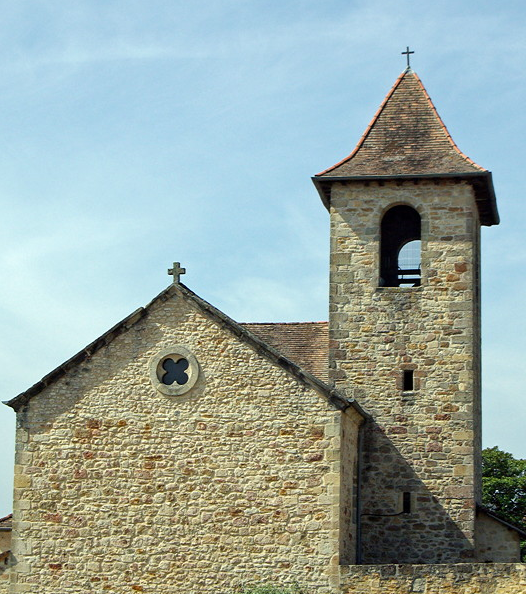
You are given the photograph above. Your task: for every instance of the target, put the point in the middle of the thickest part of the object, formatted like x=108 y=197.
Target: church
x=182 y=451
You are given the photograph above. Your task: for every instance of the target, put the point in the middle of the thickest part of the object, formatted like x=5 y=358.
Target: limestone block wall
x=348 y=486
x=5 y=558
x=4 y=574
x=425 y=442
x=121 y=488
x=5 y=540
x=495 y=542
x=463 y=578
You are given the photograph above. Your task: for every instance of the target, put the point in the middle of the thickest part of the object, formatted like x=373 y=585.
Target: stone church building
x=185 y=452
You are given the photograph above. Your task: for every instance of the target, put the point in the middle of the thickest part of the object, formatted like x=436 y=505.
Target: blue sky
x=138 y=133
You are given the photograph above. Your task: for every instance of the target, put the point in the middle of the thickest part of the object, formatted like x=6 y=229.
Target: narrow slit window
x=406 y=502
x=408 y=380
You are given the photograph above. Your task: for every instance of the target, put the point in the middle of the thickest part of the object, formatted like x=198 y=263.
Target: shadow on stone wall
x=426 y=532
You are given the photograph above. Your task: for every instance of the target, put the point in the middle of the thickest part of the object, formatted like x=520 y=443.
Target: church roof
x=305 y=343
x=497 y=518
x=6 y=522
x=284 y=338
x=407 y=139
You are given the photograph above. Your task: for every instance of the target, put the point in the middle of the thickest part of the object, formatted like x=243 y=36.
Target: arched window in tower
x=400 y=248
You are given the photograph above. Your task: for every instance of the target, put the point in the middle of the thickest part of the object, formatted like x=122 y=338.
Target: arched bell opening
x=400 y=247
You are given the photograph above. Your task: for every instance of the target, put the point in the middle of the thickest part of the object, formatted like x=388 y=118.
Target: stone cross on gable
x=176 y=271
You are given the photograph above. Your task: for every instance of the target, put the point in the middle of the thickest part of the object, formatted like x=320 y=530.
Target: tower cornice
x=407 y=139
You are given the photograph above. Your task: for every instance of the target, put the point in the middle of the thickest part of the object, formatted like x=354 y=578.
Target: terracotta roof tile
x=407 y=138
x=289 y=355
x=304 y=343
x=6 y=522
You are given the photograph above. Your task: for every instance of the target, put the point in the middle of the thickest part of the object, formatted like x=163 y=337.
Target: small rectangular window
x=408 y=380
x=406 y=502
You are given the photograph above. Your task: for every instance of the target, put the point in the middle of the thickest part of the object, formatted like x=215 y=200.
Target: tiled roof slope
x=407 y=138
x=6 y=522
x=305 y=343
x=243 y=332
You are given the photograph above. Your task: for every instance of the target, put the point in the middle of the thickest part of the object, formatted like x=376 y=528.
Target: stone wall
x=462 y=578
x=348 y=486
x=4 y=573
x=5 y=540
x=495 y=542
x=426 y=441
x=5 y=546
x=121 y=488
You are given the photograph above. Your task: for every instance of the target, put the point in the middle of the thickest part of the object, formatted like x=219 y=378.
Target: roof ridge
x=338 y=400
x=379 y=111
x=375 y=117
x=496 y=516
x=332 y=395
x=407 y=140
x=89 y=350
x=280 y=323
x=444 y=127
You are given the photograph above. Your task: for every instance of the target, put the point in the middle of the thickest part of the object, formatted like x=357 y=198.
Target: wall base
x=460 y=578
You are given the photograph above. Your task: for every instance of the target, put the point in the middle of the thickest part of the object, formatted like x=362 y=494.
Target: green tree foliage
x=504 y=487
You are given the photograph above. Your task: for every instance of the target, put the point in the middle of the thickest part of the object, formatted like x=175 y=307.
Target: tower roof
x=407 y=139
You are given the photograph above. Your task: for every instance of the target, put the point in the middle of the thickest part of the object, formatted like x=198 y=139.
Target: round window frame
x=175 y=352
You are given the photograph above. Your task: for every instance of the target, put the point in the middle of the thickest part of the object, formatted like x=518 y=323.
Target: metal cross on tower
x=406 y=53
x=176 y=271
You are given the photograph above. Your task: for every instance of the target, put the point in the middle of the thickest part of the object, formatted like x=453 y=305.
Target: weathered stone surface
x=494 y=541
x=127 y=489
x=425 y=441
x=465 y=578
x=250 y=475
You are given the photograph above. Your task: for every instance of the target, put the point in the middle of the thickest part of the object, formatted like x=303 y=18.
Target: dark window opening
x=406 y=502
x=400 y=248
x=408 y=380
x=175 y=371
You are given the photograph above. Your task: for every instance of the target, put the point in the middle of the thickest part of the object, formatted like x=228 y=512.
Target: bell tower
x=406 y=208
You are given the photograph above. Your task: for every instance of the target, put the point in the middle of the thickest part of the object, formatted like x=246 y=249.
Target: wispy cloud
x=138 y=133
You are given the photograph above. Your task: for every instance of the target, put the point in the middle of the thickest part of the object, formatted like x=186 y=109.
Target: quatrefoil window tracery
x=174 y=370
